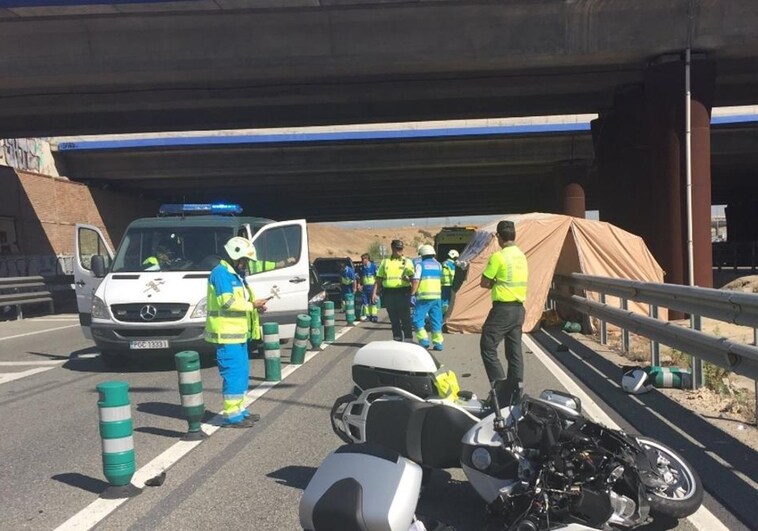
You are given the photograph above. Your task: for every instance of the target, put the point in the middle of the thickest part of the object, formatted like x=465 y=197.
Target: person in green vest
x=232 y=320
x=448 y=274
x=160 y=260
x=393 y=281
x=506 y=275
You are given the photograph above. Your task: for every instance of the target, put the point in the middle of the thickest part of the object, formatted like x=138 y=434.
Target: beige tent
x=553 y=244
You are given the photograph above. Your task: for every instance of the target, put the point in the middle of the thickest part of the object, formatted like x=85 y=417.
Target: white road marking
x=703 y=519
x=38 y=332
x=33 y=362
x=53 y=320
x=96 y=511
x=11 y=376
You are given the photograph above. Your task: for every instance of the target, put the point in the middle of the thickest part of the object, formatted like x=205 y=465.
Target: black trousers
x=504 y=322
x=398 y=304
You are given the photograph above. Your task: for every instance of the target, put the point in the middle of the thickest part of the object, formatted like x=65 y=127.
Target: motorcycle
x=537 y=462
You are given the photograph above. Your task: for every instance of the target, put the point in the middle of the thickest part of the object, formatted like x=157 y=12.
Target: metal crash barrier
x=21 y=291
x=731 y=307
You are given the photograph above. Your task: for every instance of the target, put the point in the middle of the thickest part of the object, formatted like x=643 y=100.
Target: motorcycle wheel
x=683 y=493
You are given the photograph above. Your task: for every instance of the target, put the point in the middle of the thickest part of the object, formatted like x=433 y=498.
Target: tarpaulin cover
x=553 y=244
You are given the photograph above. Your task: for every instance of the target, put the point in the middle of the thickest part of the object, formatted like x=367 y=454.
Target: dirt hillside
x=328 y=240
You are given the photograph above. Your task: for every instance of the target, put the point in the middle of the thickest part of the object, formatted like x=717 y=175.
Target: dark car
x=317 y=292
x=330 y=270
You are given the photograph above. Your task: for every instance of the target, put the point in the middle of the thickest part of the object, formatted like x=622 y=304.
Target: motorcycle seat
x=428 y=434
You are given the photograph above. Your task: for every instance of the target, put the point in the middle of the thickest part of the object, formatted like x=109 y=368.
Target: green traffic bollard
x=191 y=392
x=329 y=332
x=273 y=357
x=300 y=342
x=115 y=415
x=670 y=377
x=316 y=334
x=349 y=308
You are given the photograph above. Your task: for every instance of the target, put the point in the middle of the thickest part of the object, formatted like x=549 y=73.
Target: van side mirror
x=98 y=266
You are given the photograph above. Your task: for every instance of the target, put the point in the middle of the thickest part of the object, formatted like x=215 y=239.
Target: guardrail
x=732 y=307
x=21 y=291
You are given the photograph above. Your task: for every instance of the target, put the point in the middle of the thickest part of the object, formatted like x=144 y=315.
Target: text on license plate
x=154 y=343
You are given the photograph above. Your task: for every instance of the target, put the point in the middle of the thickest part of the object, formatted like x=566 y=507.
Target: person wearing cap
x=232 y=320
x=426 y=289
x=448 y=274
x=506 y=275
x=393 y=278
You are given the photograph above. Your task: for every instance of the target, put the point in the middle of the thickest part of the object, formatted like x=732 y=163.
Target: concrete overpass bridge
x=77 y=67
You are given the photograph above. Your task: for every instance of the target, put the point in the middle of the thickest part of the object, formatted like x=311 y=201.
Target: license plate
x=155 y=343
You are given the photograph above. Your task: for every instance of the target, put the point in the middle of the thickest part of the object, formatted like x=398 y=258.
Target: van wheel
x=114 y=359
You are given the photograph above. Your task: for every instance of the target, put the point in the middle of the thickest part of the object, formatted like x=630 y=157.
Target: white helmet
x=453 y=254
x=426 y=250
x=239 y=247
x=635 y=382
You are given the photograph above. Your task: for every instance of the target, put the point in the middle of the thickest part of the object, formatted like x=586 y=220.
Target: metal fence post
x=655 y=347
x=603 y=325
x=698 y=378
x=625 y=339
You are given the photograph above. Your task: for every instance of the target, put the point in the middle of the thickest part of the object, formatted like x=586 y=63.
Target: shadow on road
x=88 y=360
x=81 y=481
x=720 y=481
x=161 y=409
x=293 y=476
x=160 y=431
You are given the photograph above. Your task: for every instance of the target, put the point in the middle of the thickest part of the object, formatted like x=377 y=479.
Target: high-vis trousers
x=234 y=367
x=368 y=308
x=447 y=293
x=432 y=308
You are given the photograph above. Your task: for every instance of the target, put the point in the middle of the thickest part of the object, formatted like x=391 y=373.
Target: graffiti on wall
x=28 y=154
x=34 y=265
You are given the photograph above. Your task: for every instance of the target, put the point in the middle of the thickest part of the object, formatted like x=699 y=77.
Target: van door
x=89 y=242
x=282 y=272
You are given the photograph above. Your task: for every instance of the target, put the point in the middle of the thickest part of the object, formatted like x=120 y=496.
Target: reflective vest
x=448 y=272
x=259 y=266
x=430 y=284
x=346 y=278
x=395 y=272
x=151 y=261
x=511 y=276
x=231 y=317
x=368 y=274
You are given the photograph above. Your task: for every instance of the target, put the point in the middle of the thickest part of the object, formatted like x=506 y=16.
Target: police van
x=150 y=295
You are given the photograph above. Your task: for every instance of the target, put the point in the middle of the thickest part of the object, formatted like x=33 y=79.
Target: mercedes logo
x=148 y=312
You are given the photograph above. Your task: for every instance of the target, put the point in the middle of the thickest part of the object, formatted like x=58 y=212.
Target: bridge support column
x=573 y=200
x=664 y=98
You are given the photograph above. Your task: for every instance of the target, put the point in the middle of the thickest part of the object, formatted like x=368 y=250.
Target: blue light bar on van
x=199 y=209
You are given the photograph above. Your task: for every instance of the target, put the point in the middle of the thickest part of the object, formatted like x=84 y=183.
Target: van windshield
x=171 y=249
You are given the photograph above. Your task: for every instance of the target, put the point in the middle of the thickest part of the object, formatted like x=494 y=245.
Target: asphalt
x=236 y=479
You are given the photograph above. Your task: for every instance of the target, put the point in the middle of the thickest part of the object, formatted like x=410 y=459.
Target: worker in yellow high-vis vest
x=506 y=275
x=394 y=280
x=231 y=322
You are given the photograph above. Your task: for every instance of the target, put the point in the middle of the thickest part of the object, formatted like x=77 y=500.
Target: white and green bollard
x=671 y=377
x=271 y=352
x=349 y=308
x=329 y=331
x=191 y=393
x=316 y=333
x=300 y=343
x=115 y=414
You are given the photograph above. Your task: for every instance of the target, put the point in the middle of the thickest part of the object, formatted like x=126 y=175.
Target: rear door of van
x=282 y=247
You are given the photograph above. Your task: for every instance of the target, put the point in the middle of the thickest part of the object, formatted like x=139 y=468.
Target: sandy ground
x=328 y=240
